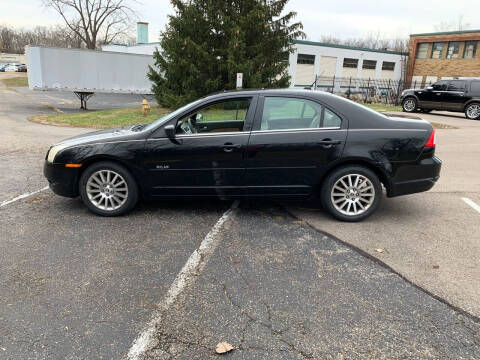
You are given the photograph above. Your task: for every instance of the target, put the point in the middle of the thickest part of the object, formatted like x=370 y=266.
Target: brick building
x=443 y=55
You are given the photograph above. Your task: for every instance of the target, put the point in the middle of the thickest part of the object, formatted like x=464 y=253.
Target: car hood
x=116 y=134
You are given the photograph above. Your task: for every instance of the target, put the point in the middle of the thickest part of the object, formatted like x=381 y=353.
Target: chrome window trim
x=298 y=130
x=223 y=133
x=387 y=130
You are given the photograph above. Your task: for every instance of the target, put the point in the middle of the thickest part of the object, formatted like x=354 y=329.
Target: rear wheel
x=409 y=105
x=472 y=111
x=108 y=189
x=351 y=193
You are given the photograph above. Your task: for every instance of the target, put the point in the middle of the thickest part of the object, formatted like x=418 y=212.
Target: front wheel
x=108 y=189
x=472 y=111
x=409 y=105
x=351 y=193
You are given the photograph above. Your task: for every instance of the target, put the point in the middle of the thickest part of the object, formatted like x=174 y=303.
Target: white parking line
x=472 y=204
x=23 y=196
x=185 y=277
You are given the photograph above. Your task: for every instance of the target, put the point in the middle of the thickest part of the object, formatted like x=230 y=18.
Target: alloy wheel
x=352 y=194
x=473 y=111
x=107 y=190
x=409 y=105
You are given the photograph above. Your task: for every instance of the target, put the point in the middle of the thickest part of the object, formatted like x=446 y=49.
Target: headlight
x=54 y=151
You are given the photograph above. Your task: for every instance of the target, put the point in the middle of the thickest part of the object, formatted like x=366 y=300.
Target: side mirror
x=170 y=131
x=429 y=88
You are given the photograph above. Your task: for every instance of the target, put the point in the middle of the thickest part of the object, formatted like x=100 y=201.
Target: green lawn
x=102 y=119
x=15 y=81
x=383 y=107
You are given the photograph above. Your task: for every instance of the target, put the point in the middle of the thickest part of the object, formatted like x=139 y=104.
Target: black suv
x=460 y=95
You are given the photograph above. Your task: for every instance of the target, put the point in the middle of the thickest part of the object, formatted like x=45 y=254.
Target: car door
x=455 y=95
x=206 y=157
x=432 y=97
x=293 y=141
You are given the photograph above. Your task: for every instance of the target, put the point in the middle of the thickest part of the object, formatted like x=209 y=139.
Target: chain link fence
x=380 y=91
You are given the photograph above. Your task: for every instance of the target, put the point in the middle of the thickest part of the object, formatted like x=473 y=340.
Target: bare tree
x=372 y=41
x=453 y=25
x=14 y=40
x=95 y=21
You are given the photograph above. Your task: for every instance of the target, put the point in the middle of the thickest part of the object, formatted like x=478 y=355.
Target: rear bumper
x=63 y=181
x=415 y=178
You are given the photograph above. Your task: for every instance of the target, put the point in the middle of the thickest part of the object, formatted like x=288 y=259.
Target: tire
x=337 y=179
x=472 y=111
x=409 y=105
x=108 y=189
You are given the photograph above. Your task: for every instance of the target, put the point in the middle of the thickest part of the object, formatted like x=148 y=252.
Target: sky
x=342 y=18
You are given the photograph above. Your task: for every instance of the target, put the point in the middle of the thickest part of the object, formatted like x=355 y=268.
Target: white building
x=326 y=61
x=144 y=49
x=336 y=67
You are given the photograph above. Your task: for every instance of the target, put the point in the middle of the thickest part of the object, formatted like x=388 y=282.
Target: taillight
x=431 y=140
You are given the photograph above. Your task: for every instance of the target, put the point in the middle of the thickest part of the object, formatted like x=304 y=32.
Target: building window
x=350 y=63
x=387 y=65
x=437 y=50
x=470 y=49
x=453 y=48
x=422 y=51
x=305 y=59
x=369 y=64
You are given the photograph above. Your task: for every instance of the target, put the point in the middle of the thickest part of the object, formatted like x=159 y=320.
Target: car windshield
x=170 y=116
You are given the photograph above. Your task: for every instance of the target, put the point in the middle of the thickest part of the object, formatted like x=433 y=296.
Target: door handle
x=229 y=147
x=438 y=94
x=328 y=143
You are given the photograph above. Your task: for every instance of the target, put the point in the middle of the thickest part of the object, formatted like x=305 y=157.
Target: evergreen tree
x=207 y=42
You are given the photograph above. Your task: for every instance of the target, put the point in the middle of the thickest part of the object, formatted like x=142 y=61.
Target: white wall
x=338 y=53
x=144 y=49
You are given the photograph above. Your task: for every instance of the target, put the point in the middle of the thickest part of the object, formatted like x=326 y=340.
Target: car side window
x=330 y=119
x=456 y=85
x=282 y=113
x=440 y=86
x=475 y=87
x=223 y=116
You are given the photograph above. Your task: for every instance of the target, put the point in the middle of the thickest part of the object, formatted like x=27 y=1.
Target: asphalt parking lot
x=280 y=281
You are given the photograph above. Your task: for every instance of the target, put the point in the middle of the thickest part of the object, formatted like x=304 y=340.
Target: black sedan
x=288 y=144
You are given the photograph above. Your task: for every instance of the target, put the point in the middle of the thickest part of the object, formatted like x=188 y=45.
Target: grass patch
x=15 y=81
x=102 y=119
x=383 y=107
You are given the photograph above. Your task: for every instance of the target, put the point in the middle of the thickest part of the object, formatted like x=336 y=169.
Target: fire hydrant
x=145 y=107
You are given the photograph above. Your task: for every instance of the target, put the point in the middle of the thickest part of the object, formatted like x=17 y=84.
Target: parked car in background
x=290 y=144
x=2 y=68
x=459 y=95
x=22 y=68
x=12 y=67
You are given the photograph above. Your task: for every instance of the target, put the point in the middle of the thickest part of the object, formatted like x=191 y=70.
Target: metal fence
x=382 y=91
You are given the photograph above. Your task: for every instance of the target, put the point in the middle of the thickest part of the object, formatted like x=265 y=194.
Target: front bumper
x=62 y=180
x=415 y=178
